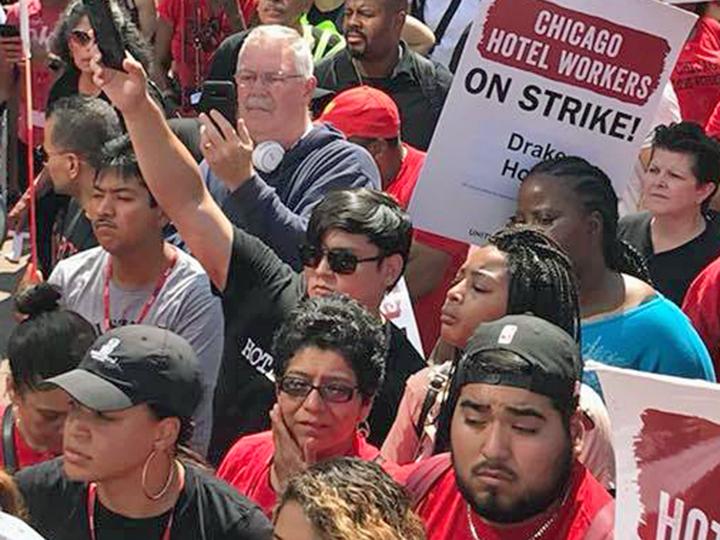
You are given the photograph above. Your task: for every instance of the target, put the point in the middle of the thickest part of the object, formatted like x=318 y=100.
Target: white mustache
x=257 y=102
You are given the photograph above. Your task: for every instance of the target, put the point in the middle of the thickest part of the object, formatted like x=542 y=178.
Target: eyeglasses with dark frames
x=332 y=392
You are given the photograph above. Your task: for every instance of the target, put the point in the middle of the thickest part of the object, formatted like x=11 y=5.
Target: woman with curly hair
x=329 y=363
x=345 y=498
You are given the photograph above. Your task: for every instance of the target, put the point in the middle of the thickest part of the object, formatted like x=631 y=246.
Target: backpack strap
x=439 y=376
x=425 y=475
x=8 y=441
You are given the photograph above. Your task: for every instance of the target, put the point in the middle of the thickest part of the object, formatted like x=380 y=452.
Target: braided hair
x=541 y=282
x=541 y=278
x=595 y=191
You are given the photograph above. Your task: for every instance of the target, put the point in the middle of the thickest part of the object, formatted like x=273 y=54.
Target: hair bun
x=41 y=298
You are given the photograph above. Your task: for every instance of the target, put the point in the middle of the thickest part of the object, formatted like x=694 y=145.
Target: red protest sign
x=573 y=47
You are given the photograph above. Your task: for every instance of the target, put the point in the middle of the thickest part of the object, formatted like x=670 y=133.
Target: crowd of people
x=205 y=355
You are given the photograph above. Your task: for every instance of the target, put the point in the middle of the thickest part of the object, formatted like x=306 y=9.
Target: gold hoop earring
x=171 y=476
x=364 y=429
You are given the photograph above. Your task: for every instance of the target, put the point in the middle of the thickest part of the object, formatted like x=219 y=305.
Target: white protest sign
x=536 y=78
x=666 y=435
x=397 y=308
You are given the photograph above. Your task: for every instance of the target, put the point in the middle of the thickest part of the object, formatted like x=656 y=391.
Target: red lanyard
x=92 y=495
x=148 y=303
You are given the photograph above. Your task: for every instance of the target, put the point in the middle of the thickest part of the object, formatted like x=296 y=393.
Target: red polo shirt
x=247 y=466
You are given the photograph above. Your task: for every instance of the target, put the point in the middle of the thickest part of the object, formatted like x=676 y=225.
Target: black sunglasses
x=330 y=392
x=341 y=261
x=81 y=37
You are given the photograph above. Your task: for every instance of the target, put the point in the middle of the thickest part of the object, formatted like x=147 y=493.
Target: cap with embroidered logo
x=552 y=360
x=136 y=364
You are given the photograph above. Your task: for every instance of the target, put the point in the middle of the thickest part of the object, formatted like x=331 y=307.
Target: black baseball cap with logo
x=136 y=364
x=552 y=359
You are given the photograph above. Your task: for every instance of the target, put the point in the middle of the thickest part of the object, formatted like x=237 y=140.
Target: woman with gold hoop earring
x=125 y=472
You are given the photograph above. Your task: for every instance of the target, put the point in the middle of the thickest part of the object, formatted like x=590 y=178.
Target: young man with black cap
x=357 y=243
x=125 y=472
x=512 y=472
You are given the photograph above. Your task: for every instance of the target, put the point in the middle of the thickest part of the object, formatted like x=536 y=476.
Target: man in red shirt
x=512 y=473
x=369 y=117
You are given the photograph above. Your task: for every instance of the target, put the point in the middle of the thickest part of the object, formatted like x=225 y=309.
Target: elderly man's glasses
x=340 y=261
x=333 y=392
x=246 y=78
x=82 y=37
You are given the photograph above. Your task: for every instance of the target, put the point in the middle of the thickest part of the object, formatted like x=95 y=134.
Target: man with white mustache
x=294 y=162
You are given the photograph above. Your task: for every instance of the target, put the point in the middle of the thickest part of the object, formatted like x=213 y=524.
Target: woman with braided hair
x=625 y=322
x=520 y=270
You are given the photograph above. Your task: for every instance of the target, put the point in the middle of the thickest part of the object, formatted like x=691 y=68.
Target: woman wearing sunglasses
x=329 y=363
x=73 y=42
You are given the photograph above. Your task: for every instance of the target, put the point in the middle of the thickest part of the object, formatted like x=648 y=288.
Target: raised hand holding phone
x=126 y=89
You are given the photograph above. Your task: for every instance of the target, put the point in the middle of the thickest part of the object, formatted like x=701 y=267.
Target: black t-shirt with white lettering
x=208 y=509
x=260 y=291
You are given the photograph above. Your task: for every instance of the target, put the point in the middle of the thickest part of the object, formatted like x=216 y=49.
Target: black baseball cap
x=553 y=362
x=136 y=364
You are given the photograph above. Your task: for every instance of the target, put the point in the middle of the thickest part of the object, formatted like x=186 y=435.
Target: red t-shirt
x=193 y=22
x=247 y=466
x=702 y=306
x=427 y=308
x=696 y=77
x=42 y=23
x=25 y=456
x=444 y=510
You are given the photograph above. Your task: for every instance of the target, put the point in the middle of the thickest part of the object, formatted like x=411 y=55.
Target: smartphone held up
x=107 y=35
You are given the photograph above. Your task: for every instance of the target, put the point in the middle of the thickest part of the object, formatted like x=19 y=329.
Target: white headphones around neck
x=267 y=155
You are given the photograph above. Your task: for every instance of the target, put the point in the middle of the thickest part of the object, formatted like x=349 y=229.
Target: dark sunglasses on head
x=341 y=261
x=81 y=37
x=331 y=392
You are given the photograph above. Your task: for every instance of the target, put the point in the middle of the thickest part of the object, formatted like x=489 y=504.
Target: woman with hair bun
x=48 y=342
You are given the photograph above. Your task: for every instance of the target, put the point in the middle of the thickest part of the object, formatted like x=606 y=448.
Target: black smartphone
x=107 y=35
x=9 y=30
x=221 y=96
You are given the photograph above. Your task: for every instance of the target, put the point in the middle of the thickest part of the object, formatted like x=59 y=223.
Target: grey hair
x=286 y=36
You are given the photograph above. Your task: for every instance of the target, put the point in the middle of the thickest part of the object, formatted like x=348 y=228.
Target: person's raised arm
x=168 y=168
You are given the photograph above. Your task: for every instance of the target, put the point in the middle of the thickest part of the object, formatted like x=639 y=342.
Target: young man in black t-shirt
x=358 y=243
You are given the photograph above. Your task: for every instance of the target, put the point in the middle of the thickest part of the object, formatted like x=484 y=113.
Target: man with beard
x=274 y=166
x=135 y=277
x=512 y=472
x=376 y=56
